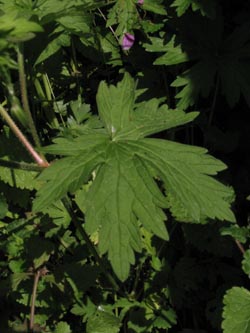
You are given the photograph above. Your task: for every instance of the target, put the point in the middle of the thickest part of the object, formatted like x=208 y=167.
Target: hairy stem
x=24 y=95
x=20 y=165
x=37 y=158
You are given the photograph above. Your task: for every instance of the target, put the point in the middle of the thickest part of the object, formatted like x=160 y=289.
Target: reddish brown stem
x=240 y=246
x=37 y=158
x=41 y=272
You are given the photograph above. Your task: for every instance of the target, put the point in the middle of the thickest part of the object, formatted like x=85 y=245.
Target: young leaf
x=103 y=322
x=124 y=193
x=124 y=15
x=155 y=6
x=62 y=327
x=236 y=311
x=246 y=262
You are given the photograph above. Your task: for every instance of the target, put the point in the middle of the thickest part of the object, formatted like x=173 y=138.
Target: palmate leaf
x=207 y=8
x=217 y=62
x=124 y=165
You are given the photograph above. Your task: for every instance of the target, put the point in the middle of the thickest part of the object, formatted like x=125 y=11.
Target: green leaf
x=103 y=322
x=12 y=150
x=3 y=206
x=115 y=112
x=78 y=23
x=246 y=262
x=181 y=6
x=207 y=8
x=239 y=233
x=125 y=165
x=124 y=15
x=186 y=172
x=62 y=327
x=150 y=118
x=217 y=62
x=122 y=191
x=236 y=311
x=174 y=54
x=53 y=46
x=18 y=29
x=69 y=174
x=154 y=6
x=19 y=178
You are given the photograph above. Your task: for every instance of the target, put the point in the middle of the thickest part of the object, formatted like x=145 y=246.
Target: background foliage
x=130 y=228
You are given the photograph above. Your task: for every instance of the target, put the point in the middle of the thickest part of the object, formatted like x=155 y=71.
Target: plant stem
x=240 y=246
x=24 y=95
x=41 y=272
x=37 y=158
x=20 y=165
x=67 y=205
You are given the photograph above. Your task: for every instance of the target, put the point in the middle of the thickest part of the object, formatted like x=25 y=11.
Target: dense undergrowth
x=124 y=166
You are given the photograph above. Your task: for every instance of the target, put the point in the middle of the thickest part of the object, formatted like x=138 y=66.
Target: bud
x=127 y=41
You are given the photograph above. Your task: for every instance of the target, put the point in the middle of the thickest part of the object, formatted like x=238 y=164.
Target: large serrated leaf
x=124 y=194
x=236 y=311
x=118 y=195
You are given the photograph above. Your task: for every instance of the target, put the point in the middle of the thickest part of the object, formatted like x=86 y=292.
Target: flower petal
x=127 y=41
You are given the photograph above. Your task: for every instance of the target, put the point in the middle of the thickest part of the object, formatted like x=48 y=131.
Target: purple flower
x=140 y=2
x=127 y=41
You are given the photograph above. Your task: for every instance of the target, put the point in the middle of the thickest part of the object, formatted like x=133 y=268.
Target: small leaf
x=239 y=233
x=53 y=46
x=174 y=54
x=62 y=327
x=236 y=311
x=103 y=322
x=246 y=262
x=155 y=6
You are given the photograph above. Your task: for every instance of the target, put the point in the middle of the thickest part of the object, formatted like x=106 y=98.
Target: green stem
x=37 y=158
x=67 y=205
x=24 y=95
x=20 y=165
